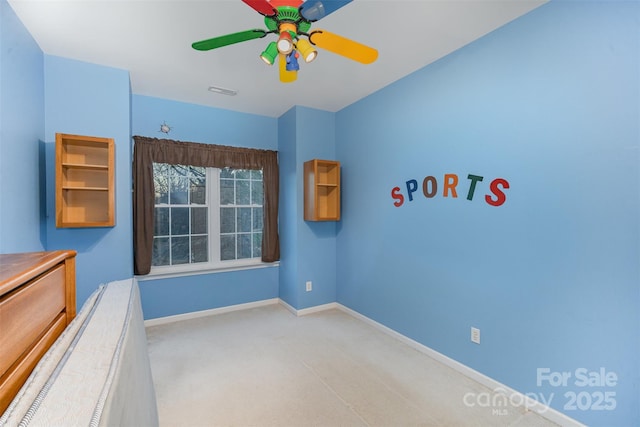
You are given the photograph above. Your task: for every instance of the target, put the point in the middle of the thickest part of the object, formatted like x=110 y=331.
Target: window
x=206 y=218
x=149 y=151
x=241 y=215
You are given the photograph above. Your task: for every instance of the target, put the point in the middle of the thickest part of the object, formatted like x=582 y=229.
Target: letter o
x=425 y=186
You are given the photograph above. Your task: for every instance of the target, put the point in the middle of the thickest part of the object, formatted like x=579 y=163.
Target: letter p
x=412 y=186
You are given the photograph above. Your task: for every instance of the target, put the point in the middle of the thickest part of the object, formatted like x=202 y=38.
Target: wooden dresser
x=37 y=302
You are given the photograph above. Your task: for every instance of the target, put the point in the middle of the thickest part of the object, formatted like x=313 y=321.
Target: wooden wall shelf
x=322 y=190
x=85 y=190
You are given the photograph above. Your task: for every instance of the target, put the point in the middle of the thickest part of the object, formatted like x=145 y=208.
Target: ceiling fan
x=291 y=20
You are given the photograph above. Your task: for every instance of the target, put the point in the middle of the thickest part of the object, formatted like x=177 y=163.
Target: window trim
x=162 y=272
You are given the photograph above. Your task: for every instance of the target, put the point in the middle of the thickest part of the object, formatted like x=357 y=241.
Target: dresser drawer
x=27 y=311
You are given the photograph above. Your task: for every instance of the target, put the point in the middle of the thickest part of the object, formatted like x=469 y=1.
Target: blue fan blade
x=313 y=10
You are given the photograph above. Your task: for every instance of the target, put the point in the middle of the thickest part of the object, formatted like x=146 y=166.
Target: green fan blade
x=221 y=41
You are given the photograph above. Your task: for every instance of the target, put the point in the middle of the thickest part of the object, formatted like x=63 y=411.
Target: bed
x=59 y=368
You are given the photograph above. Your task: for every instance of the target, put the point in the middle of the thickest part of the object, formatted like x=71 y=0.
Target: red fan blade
x=262 y=6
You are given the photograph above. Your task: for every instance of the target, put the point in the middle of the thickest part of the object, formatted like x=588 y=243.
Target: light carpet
x=266 y=367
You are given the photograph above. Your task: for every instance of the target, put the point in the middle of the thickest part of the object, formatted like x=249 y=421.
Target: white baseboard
x=210 y=312
x=530 y=403
x=310 y=310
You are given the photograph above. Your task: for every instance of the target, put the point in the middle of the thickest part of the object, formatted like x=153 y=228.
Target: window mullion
x=213 y=194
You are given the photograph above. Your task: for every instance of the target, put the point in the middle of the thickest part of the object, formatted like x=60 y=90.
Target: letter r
x=450 y=182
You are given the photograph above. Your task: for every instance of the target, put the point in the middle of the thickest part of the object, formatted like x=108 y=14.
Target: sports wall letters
x=495 y=196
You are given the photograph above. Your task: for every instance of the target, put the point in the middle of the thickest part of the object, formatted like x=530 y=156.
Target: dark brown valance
x=148 y=151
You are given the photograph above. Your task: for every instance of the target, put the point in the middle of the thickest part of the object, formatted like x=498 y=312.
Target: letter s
x=500 y=196
x=395 y=193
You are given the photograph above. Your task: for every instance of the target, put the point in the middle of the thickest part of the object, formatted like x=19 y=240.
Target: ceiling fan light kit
x=291 y=20
x=270 y=53
x=285 y=43
x=306 y=50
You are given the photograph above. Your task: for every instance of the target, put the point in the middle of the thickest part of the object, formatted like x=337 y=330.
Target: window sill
x=192 y=272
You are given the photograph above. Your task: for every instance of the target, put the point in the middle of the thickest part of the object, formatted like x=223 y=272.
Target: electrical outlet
x=475 y=335
x=309 y=286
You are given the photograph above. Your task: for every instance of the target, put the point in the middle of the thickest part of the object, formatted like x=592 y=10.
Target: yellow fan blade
x=286 y=76
x=343 y=46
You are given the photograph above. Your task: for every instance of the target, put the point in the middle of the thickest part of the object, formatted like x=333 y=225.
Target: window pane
x=256 y=174
x=226 y=173
x=160 y=251
x=257 y=219
x=243 y=174
x=257 y=192
x=226 y=192
x=179 y=250
x=227 y=220
x=161 y=222
x=179 y=221
x=244 y=220
x=178 y=194
x=228 y=247
x=178 y=170
x=257 y=244
x=244 y=246
x=199 y=249
x=199 y=220
x=160 y=169
x=198 y=191
x=161 y=183
x=243 y=195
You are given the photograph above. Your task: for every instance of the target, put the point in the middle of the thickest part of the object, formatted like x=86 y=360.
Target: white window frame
x=214 y=265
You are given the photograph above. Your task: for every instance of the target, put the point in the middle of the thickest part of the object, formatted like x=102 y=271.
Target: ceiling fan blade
x=343 y=46
x=228 y=39
x=262 y=6
x=313 y=10
x=286 y=76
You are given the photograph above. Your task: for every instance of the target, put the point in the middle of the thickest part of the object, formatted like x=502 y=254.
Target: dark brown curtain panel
x=147 y=151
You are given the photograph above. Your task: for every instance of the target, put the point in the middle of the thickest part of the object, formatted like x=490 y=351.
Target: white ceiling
x=152 y=39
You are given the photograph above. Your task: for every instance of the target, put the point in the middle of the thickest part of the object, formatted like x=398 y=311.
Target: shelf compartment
x=87 y=151
x=85 y=177
x=85 y=192
x=85 y=208
x=321 y=190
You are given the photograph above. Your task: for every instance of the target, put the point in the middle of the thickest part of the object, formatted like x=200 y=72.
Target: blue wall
x=88 y=99
x=21 y=130
x=188 y=122
x=551 y=277
x=290 y=287
x=308 y=249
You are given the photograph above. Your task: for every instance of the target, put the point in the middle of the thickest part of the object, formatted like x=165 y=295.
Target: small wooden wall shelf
x=85 y=191
x=321 y=190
